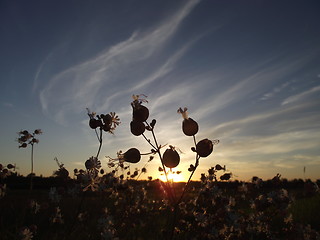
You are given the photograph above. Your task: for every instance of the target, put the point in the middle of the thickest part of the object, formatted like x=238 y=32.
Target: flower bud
x=106 y=128
x=171 y=158
x=190 y=127
x=140 y=113
x=10 y=166
x=132 y=155
x=225 y=176
x=23 y=145
x=94 y=123
x=89 y=164
x=204 y=147
x=107 y=119
x=137 y=128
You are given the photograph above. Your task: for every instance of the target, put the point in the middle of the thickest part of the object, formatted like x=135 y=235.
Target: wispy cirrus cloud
x=275 y=91
x=300 y=96
x=261 y=76
x=121 y=66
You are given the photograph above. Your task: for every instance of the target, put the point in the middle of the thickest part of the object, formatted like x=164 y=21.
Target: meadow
x=93 y=203
x=273 y=209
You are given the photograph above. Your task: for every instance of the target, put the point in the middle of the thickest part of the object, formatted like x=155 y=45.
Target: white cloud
x=275 y=91
x=300 y=96
x=261 y=75
x=115 y=71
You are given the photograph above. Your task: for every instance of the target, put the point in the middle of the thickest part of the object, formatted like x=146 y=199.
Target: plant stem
x=195 y=167
x=157 y=148
x=100 y=142
x=176 y=206
x=31 y=175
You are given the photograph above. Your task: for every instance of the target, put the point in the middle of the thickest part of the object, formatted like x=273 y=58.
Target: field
x=142 y=210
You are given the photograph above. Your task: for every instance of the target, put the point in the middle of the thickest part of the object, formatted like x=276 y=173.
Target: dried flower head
x=189 y=126
x=140 y=112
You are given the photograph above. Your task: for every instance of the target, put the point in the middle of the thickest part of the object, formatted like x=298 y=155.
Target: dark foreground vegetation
x=57 y=208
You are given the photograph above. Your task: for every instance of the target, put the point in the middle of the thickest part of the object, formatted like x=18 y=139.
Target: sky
x=248 y=72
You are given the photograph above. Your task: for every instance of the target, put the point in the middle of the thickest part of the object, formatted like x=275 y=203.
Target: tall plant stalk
x=25 y=139
x=31 y=176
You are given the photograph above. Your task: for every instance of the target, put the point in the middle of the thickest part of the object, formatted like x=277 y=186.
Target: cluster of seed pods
x=190 y=127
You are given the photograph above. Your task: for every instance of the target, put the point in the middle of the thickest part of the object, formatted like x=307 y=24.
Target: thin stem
x=31 y=176
x=100 y=141
x=195 y=167
x=31 y=158
x=187 y=184
x=148 y=140
x=176 y=206
x=157 y=148
x=141 y=170
x=194 y=141
x=97 y=134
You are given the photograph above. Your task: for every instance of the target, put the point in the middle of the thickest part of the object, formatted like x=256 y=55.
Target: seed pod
x=132 y=155
x=23 y=145
x=190 y=127
x=23 y=139
x=10 y=166
x=171 y=158
x=25 y=132
x=225 y=176
x=107 y=119
x=106 y=128
x=219 y=167
x=63 y=173
x=94 y=123
x=89 y=164
x=137 y=128
x=140 y=113
x=204 y=147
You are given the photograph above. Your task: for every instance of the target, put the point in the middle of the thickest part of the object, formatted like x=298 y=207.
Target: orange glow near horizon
x=172 y=177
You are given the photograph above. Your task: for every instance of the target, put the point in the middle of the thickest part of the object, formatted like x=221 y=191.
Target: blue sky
x=248 y=71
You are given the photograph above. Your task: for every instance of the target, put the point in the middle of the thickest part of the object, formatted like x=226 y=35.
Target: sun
x=172 y=177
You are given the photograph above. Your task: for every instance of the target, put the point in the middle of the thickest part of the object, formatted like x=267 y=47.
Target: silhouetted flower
x=189 y=126
x=140 y=112
x=171 y=158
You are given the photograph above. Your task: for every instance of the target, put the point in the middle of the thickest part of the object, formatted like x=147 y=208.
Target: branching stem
x=156 y=147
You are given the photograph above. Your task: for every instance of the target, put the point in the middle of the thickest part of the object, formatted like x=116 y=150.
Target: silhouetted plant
x=62 y=172
x=119 y=207
x=26 y=138
x=5 y=171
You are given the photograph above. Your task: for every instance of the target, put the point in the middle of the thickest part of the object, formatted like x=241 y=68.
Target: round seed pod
x=140 y=113
x=94 y=123
x=106 y=127
x=23 y=145
x=62 y=173
x=225 y=176
x=89 y=164
x=190 y=127
x=171 y=158
x=10 y=166
x=204 y=148
x=107 y=119
x=137 y=128
x=132 y=155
